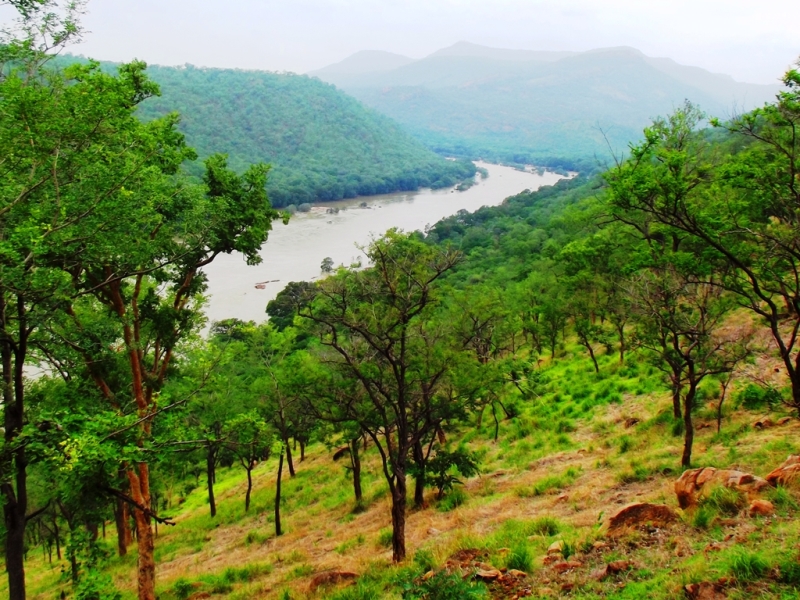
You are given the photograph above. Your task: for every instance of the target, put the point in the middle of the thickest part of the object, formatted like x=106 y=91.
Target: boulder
x=567 y=565
x=689 y=487
x=556 y=547
x=516 y=574
x=764 y=423
x=488 y=574
x=331 y=578
x=640 y=513
x=786 y=473
x=761 y=508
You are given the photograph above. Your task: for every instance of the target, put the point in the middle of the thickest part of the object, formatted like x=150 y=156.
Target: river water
x=295 y=251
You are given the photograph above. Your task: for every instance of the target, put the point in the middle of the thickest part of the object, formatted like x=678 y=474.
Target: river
x=294 y=252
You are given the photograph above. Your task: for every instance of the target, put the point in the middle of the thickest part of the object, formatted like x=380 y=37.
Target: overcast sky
x=754 y=41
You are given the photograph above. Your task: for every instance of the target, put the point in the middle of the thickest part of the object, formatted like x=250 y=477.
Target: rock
x=704 y=591
x=761 y=508
x=552 y=558
x=516 y=574
x=689 y=487
x=784 y=420
x=634 y=515
x=488 y=574
x=562 y=498
x=428 y=575
x=764 y=423
x=567 y=565
x=433 y=531
x=612 y=568
x=631 y=422
x=556 y=547
x=786 y=473
x=331 y=578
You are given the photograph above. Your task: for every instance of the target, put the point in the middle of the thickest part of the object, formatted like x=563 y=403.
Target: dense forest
x=322 y=144
x=548 y=108
x=569 y=394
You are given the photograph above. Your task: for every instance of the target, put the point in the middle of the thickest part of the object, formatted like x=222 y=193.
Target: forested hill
x=323 y=144
x=533 y=106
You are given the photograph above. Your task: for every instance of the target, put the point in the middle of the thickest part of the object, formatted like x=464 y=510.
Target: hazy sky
x=752 y=40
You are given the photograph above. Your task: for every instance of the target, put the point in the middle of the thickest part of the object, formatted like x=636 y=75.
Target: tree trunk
x=16 y=496
x=594 y=360
x=289 y=462
x=210 y=477
x=355 y=462
x=122 y=519
x=278 y=531
x=302 y=450
x=399 y=516
x=676 y=397
x=419 y=478
x=249 y=488
x=688 y=435
x=139 y=479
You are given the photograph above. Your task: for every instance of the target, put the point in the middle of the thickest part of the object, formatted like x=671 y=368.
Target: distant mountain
x=323 y=144
x=547 y=107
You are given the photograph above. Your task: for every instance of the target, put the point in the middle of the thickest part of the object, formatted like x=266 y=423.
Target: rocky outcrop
x=761 y=508
x=694 y=483
x=784 y=475
x=638 y=514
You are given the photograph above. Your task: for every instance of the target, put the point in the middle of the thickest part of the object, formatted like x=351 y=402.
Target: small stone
x=552 y=558
x=517 y=574
x=784 y=420
x=761 y=508
x=618 y=566
x=433 y=531
x=713 y=547
x=631 y=422
x=764 y=423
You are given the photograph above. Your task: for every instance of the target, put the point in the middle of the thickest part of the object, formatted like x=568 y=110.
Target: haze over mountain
x=523 y=105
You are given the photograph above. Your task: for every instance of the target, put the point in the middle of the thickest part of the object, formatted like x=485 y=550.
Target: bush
x=444 y=586
x=96 y=586
x=385 y=537
x=724 y=501
x=520 y=558
x=452 y=501
x=754 y=397
x=746 y=566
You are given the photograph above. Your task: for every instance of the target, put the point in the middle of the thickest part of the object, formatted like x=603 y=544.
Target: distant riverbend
x=294 y=251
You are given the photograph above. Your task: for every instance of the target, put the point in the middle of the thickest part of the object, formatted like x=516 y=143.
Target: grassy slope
x=563 y=464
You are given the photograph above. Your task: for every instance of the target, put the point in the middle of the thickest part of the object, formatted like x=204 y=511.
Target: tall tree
x=377 y=325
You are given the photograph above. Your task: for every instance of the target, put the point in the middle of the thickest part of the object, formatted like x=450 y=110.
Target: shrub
x=754 y=397
x=96 y=586
x=520 y=558
x=444 y=586
x=548 y=526
x=385 y=537
x=745 y=565
x=725 y=501
x=453 y=500
x=439 y=471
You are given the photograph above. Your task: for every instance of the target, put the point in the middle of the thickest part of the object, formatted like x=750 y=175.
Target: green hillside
x=323 y=144
x=519 y=106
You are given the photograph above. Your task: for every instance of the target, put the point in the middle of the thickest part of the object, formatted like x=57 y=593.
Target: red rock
x=552 y=558
x=567 y=565
x=613 y=568
x=761 y=508
x=634 y=515
x=764 y=423
x=689 y=487
x=488 y=575
x=786 y=473
x=517 y=574
x=784 y=420
x=704 y=591
x=331 y=578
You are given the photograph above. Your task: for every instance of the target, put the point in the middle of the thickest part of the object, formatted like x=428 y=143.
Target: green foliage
x=520 y=558
x=745 y=565
x=182 y=588
x=322 y=144
x=439 y=469
x=547 y=526
x=444 y=586
x=385 y=538
x=755 y=397
x=724 y=501
x=96 y=586
x=452 y=500
x=425 y=560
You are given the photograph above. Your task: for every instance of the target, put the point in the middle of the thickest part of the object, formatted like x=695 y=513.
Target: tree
x=377 y=326
x=682 y=320
x=736 y=199
x=327 y=265
x=283 y=308
x=250 y=439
